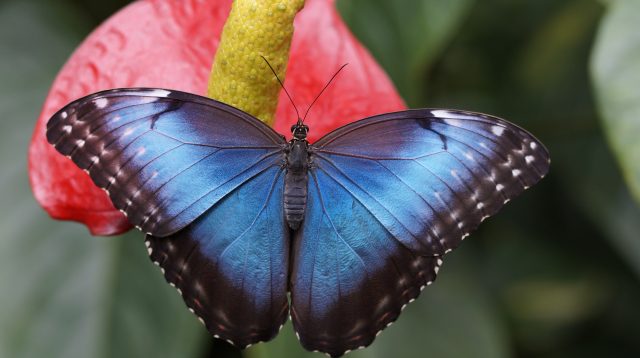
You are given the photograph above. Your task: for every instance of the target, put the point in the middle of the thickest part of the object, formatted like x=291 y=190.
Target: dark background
x=555 y=274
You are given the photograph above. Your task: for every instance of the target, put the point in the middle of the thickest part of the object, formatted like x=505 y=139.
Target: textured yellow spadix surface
x=240 y=77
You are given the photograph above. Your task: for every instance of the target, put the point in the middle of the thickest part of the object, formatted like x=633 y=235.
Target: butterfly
x=250 y=228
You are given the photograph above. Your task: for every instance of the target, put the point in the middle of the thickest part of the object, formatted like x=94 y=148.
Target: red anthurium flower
x=171 y=44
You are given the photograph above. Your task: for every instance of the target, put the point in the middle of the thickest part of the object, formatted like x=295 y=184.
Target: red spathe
x=171 y=44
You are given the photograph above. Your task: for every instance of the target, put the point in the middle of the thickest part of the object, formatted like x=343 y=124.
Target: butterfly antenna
x=324 y=88
x=282 y=85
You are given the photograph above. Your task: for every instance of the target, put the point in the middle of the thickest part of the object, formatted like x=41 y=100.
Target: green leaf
x=453 y=318
x=589 y=169
x=66 y=294
x=615 y=69
x=405 y=36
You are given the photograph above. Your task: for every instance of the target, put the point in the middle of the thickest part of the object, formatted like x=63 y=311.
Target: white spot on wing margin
x=497 y=130
x=101 y=102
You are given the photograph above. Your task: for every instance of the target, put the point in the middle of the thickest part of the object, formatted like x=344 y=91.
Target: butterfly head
x=299 y=130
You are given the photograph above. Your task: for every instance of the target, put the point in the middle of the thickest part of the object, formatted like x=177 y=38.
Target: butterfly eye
x=299 y=130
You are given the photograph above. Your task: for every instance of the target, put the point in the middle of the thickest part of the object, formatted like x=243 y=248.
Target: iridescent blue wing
x=350 y=276
x=388 y=197
x=164 y=157
x=231 y=264
x=205 y=181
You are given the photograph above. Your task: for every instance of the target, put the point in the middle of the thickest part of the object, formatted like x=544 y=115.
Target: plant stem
x=239 y=76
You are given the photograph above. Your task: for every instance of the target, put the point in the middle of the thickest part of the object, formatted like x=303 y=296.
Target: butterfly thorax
x=296 y=178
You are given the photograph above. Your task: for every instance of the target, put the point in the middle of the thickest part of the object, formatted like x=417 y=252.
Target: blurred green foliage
x=555 y=274
x=616 y=75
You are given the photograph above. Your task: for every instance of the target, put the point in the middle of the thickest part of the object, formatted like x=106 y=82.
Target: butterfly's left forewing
x=388 y=197
x=164 y=157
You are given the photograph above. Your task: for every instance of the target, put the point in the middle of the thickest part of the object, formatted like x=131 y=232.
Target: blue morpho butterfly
x=353 y=226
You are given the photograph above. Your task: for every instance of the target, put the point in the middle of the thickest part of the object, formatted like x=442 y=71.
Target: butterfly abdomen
x=295 y=184
x=295 y=199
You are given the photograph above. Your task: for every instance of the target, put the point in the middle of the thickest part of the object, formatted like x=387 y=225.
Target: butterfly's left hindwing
x=388 y=197
x=231 y=264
